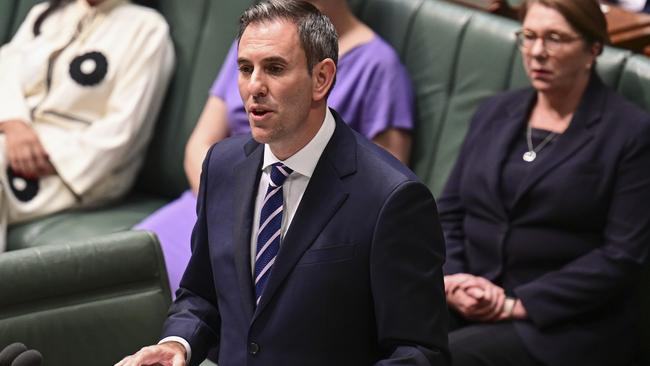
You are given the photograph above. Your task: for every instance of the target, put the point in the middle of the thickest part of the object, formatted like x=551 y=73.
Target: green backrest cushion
x=85 y=303
x=202 y=30
x=162 y=169
x=21 y=8
x=396 y=30
x=7 y=8
x=635 y=80
x=484 y=63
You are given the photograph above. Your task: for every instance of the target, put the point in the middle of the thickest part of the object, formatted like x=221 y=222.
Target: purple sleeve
x=227 y=77
x=389 y=101
x=373 y=91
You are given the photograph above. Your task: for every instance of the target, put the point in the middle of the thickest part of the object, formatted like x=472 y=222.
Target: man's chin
x=261 y=136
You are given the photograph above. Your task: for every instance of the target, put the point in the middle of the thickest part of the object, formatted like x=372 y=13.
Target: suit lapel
x=247 y=176
x=500 y=139
x=323 y=197
x=576 y=136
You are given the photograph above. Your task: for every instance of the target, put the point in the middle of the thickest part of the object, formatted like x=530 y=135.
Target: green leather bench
x=85 y=303
x=456 y=56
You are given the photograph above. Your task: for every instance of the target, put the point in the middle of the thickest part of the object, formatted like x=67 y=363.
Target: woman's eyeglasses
x=551 y=41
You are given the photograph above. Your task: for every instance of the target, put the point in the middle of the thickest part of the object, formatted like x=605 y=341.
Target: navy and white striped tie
x=270 y=231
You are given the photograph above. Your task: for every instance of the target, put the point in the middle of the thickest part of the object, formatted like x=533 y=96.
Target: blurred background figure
x=545 y=211
x=633 y=5
x=81 y=83
x=373 y=94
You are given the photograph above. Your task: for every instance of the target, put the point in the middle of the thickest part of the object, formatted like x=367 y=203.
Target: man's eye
x=275 y=69
x=245 y=69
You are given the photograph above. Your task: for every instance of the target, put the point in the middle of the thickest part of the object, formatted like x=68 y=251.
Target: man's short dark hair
x=317 y=35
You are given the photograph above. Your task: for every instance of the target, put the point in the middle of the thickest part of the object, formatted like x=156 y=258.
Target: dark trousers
x=486 y=344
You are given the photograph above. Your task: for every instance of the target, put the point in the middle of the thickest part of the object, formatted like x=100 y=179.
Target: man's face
x=274 y=82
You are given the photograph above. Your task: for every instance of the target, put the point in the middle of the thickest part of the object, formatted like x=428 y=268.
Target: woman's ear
x=323 y=75
x=596 y=49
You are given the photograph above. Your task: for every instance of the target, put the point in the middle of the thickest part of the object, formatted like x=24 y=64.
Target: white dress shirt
x=303 y=164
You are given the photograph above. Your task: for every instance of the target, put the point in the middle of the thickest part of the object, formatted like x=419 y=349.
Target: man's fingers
x=154 y=355
x=179 y=361
x=123 y=361
x=475 y=292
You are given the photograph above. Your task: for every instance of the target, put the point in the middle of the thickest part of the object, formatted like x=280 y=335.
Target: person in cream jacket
x=81 y=83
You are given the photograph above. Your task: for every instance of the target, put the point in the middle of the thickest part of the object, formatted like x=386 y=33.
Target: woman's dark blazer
x=572 y=244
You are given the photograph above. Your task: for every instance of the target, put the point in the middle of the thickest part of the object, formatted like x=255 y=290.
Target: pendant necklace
x=531 y=154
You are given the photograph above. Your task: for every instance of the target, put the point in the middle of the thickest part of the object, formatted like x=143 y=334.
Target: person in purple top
x=373 y=93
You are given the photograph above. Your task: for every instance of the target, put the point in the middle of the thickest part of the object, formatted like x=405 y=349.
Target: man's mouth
x=259 y=111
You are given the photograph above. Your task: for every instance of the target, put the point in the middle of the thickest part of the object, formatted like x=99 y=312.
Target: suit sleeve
x=406 y=274
x=591 y=280
x=194 y=315
x=452 y=210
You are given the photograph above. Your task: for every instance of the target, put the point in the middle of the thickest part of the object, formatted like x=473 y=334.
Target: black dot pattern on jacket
x=23 y=189
x=89 y=69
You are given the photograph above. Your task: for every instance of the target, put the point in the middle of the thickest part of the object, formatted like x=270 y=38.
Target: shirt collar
x=305 y=160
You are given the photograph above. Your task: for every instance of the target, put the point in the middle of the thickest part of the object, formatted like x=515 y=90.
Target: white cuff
x=188 y=349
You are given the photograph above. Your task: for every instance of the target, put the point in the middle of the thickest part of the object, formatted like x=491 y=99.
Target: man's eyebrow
x=271 y=59
x=275 y=59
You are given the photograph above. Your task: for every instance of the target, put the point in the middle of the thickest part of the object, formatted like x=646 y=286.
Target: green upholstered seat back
x=7 y=8
x=20 y=10
x=85 y=303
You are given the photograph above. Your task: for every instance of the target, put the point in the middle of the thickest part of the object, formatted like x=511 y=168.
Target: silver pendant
x=529 y=156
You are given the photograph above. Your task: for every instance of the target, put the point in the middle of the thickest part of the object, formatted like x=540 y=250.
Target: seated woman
x=545 y=213
x=373 y=93
x=78 y=104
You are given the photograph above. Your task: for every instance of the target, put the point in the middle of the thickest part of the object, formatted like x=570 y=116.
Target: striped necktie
x=270 y=230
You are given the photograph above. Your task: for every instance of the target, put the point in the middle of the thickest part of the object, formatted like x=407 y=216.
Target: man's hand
x=164 y=354
x=475 y=298
x=24 y=150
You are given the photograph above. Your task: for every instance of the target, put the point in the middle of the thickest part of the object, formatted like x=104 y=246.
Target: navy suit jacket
x=357 y=280
x=579 y=230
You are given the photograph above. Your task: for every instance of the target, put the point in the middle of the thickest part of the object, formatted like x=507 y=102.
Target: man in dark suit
x=312 y=245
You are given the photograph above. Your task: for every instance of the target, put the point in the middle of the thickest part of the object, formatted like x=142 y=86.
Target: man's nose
x=257 y=85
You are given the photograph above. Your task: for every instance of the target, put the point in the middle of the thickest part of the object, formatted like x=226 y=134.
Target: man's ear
x=323 y=75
